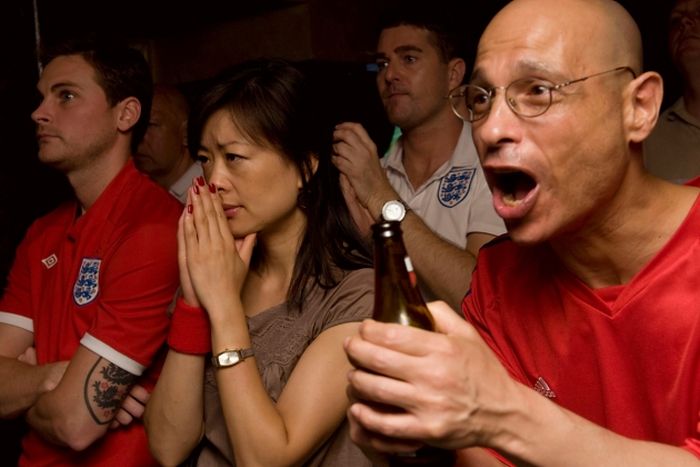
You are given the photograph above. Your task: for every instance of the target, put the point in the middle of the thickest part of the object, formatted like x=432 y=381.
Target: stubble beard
x=74 y=157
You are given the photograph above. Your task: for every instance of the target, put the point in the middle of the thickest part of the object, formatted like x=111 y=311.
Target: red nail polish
x=212 y=188
x=200 y=180
x=189 y=209
x=196 y=189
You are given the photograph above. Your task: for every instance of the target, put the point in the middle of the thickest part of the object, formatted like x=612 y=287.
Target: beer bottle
x=397 y=299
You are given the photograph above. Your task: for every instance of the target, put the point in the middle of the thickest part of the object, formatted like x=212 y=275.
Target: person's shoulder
x=357 y=277
x=502 y=250
x=142 y=212
x=58 y=218
x=147 y=199
x=351 y=298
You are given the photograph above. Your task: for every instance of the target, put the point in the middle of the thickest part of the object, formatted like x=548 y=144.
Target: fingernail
x=196 y=189
x=200 y=180
x=189 y=209
x=212 y=188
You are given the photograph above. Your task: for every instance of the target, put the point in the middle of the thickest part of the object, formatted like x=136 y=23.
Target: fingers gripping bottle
x=397 y=299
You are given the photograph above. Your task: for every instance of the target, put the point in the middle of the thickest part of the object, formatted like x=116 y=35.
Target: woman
x=269 y=250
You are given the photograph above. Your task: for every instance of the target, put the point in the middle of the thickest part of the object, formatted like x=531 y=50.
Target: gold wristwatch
x=230 y=357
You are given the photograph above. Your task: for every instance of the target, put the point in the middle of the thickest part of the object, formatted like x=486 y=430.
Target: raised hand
x=186 y=287
x=355 y=155
x=361 y=216
x=217 y=264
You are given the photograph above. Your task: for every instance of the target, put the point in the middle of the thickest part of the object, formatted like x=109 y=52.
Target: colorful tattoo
x=106 y=386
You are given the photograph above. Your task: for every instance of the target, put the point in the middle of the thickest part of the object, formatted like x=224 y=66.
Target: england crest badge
x=87 y=285
x=455 y=185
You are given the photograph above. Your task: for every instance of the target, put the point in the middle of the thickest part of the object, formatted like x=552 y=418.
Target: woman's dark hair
x=272 y=102
x=121 y=72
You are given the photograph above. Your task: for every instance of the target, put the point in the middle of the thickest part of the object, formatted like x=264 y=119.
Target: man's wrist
x=375 y=205
x=534 y=425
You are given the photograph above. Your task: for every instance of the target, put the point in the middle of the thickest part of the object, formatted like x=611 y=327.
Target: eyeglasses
x=527 y=97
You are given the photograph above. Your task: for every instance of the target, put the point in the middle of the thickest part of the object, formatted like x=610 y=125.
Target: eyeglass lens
x=528 y=97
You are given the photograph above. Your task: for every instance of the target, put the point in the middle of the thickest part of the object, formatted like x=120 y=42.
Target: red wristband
x=189 y=329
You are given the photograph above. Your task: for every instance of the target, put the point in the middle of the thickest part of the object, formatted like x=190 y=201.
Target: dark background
x=188 y=42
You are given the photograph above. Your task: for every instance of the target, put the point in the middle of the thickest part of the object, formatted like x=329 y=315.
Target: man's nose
x=501 y=124
x=391 y=72
x=41 y=113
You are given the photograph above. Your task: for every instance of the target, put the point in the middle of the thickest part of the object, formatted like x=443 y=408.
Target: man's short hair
x=121 y=72
x=444 y=33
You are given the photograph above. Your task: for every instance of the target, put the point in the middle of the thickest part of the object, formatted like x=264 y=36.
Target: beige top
x=455 y=201
x=672 y=151
x=279 y=337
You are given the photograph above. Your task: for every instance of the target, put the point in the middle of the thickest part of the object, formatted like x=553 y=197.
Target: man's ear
x=455 y=72
x=128 y=113
x=645 y=94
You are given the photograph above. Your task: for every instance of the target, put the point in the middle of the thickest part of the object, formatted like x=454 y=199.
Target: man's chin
x=524 y=233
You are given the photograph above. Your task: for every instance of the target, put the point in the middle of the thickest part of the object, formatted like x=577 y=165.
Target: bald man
x=582 y=340
x=163 y=153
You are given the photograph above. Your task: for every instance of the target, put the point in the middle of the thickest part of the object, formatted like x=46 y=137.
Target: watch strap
x=242 y=355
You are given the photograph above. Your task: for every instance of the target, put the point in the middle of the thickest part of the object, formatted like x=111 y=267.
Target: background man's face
x=413 y=79
x=163 y=142
x=684 y=33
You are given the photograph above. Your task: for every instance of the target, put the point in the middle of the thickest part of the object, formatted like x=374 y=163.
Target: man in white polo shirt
x=431 y=179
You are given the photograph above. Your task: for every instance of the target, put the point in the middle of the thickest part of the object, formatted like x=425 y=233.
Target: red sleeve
x=136 y=289
x=693 y=445
x=694 y=182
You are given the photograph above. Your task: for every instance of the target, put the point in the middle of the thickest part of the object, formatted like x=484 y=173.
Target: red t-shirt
x=626 y=358
x=103 y=281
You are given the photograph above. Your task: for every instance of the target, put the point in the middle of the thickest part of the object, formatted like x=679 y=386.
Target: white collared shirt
x=455 y=201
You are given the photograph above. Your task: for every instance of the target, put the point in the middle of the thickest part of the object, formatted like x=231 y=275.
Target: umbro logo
x=50 y=261
x=543 y=388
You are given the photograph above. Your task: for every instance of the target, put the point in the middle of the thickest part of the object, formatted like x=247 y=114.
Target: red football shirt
x=626 y=357
x=103 y=281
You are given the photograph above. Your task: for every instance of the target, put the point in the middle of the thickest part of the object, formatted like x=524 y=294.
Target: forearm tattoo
x=106 y=386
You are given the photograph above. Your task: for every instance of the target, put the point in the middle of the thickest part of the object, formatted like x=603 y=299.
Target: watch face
x=393 y=211
x=228 y=358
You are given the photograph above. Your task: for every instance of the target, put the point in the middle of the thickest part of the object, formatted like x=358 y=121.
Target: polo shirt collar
x=103 y=206
x=394 y=160
x=678 y=111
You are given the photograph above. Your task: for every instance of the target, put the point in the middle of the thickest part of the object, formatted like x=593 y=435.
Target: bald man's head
x=591 y=34
x=163 y=152
x=170 y=100
x=561 y=112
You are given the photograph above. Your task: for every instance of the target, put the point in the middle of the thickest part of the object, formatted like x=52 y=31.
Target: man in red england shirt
x=84 y=313
x=583 y=342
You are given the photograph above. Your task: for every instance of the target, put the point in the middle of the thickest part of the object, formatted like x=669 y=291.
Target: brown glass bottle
x=396 y=296
x=397 y=299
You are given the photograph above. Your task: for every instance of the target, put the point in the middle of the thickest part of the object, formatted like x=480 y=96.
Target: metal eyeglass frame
x=458 y=92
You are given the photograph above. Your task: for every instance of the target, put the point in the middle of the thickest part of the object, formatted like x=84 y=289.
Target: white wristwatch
x=230 y=357
x=394 y=210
